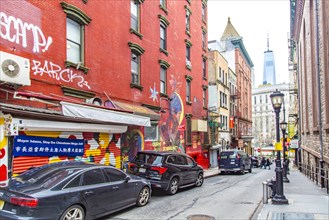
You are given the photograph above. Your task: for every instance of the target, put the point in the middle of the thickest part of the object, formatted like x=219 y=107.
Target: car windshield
x=226 y=155
x=152 y=159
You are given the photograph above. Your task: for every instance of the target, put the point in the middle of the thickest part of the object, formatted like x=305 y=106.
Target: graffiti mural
x=16 y=31
x=132 y=142
x=100 y=148
x=56 y=72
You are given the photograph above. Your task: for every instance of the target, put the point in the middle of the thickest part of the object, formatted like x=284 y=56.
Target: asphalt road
x=229 y=196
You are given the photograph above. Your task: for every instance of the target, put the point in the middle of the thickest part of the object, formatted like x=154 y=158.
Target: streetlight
x=283 y=126
x=278 y=198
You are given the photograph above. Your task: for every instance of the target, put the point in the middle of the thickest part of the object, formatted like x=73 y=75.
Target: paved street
x=222 y=197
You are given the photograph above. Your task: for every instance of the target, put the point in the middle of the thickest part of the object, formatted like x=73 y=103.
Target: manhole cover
x=200 y=217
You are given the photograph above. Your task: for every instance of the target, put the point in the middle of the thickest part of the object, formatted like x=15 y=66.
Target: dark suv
x=168 y=171
x=234 y=161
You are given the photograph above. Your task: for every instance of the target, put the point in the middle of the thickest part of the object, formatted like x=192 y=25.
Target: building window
x=134 y=10
x=188 y=89
x=135 y=62
x=152 y=133
x=136 y=52
x=204 y=97
x=204 y=68
x=204 y=18
x=188 y=54
x=163 y=37
x=204 y=38
x=163 y=3
x=75 y=33
x=188 y=21
x=163 y=80
x=74 y=41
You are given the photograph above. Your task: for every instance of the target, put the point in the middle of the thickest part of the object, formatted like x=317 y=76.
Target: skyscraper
x=269 y=66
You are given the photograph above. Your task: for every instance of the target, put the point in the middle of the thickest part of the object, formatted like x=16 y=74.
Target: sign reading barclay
x=44 y=146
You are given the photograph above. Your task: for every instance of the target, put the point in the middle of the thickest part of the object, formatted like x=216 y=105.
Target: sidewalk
x=211 y=172
x=307 y=201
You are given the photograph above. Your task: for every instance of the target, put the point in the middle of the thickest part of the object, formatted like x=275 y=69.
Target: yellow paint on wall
x=2 y=121
x=94 y=152
x=3 y=143
x=104 y=140
x=53 y=134
x=118 y=162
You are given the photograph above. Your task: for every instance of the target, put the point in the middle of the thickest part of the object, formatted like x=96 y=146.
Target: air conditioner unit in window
x=14 y=69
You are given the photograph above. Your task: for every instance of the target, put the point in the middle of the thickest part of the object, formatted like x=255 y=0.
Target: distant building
x=239 y=61
x=269 y=75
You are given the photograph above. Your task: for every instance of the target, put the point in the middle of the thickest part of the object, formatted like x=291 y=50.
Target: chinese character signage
x=43 y=146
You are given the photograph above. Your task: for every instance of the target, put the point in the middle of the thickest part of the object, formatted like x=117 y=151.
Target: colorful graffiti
x=102 y=148
x=3 y=151
x=132 y=142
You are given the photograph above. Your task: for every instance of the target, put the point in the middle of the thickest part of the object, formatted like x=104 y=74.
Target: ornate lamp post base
x=279 y=200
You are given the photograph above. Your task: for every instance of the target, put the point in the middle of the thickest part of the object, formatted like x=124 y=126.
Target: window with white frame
x=134 y=10
x=152 y=133
x=135 y=62
x=74 y=42
x=163 y=80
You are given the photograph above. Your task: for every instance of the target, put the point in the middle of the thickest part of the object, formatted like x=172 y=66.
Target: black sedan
x=71 y=190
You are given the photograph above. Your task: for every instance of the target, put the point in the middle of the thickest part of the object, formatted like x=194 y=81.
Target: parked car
x=255 y=161
x=234 y=161
x=71 y=190
x=167 y=171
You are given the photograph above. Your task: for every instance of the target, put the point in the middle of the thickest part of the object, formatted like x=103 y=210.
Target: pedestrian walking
x=268 y=163
x=262 y=163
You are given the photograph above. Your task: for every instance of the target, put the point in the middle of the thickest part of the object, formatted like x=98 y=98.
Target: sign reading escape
x=43 y=146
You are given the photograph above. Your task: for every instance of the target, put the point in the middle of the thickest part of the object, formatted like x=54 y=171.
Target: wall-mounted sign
x=44 y=146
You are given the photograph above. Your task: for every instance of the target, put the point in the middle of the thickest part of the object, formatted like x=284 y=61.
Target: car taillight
x=238 y=156
x=27 y=202
x=131 y=165
x=161 y=170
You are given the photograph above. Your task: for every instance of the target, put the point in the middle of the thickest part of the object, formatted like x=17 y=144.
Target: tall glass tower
x=269 y=66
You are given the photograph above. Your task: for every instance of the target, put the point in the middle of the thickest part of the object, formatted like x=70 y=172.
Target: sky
x=254 y=20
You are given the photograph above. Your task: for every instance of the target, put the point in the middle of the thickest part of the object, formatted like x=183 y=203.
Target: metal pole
x=278 y=198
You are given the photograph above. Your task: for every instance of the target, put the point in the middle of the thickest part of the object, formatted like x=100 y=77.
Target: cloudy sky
x=254 y=20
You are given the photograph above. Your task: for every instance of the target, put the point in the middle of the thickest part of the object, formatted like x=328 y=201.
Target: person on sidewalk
x=263 y=163
x=268 y=163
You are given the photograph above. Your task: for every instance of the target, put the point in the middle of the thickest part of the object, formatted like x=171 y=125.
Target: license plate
x=232 y=162
x=142 y=170
x=2 y=203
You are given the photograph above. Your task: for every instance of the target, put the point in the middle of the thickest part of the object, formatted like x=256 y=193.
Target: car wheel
x=143 y=197
x=199 y=180
x=75 y=212
x=242 y=171
x=173 y=186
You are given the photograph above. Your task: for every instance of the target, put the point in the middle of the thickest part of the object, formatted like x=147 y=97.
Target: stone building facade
x=309 y=56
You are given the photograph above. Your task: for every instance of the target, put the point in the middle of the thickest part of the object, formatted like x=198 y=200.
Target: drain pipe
x=319 y=92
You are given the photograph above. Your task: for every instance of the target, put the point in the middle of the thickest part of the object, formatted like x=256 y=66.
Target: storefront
x=32 y=137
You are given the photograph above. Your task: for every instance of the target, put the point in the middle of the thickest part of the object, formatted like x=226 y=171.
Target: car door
x=193 y=170
x=95 y=191
x=122 y=190
x=184 y=169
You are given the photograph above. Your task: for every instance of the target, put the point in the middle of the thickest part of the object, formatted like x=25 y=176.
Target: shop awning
x=138 y=110
x=44 y=125
x=100 y=114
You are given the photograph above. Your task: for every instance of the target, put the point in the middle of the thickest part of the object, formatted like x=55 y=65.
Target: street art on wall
x=154 y=93
x=100 y=148
x=132 y=142
x=16 y=31
x=54 y=71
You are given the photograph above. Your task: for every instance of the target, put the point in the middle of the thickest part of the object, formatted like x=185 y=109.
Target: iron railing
x=317 y=174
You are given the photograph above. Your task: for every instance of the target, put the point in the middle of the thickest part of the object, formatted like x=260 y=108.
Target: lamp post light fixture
x=283 y=126
x=278 y=198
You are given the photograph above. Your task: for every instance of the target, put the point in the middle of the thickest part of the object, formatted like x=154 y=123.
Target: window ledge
x=164 y=51
x=132 y=31
x=163 y=95
x=76 y=66
x=133 y=85
x=188 y=102
x=204 y=78
x=188 y=33
x=189 y=67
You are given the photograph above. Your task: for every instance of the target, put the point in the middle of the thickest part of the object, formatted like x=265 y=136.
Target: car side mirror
x=127 y=179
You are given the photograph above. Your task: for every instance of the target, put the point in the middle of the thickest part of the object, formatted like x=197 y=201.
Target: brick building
x=309 y=57
x=117 y=76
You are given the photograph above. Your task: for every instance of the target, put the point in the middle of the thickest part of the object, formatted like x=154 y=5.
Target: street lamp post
x=278 y=198
x=283 y=126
